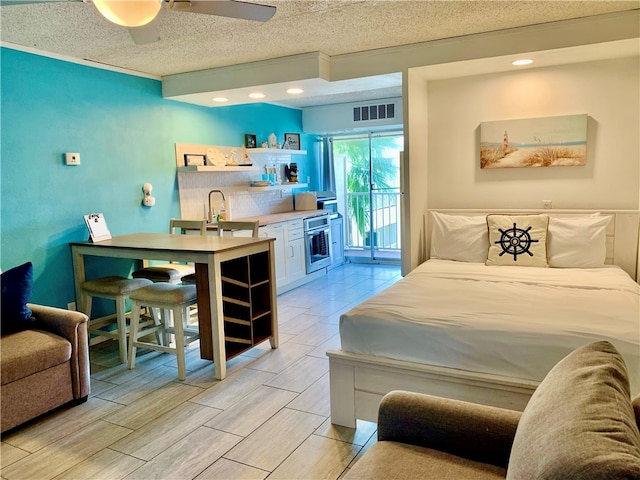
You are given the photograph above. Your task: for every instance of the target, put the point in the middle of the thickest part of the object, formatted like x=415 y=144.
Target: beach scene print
x=534 y=142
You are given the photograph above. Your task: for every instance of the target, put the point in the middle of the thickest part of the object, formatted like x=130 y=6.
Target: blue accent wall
x=125 y=133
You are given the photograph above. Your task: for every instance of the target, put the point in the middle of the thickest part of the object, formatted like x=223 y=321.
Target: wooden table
x=208 y=253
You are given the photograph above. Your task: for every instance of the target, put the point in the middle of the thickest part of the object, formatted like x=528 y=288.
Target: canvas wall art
x=534 y=142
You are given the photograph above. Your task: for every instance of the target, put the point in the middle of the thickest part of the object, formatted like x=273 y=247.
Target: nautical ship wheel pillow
x=518 y=240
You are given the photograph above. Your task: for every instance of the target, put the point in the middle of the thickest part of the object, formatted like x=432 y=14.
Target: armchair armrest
x=477 y=432
x=72 y=326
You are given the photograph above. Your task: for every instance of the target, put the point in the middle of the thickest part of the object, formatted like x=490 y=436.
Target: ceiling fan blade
x=226 y=8
x=26 y=2
x=148 y=33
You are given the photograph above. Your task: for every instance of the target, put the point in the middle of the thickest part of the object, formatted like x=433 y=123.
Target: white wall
x=608 y=91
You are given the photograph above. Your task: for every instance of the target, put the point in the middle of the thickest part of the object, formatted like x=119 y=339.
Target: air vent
x=374 y=112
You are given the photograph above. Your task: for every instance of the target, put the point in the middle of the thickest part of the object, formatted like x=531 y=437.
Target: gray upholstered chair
x=173 y=272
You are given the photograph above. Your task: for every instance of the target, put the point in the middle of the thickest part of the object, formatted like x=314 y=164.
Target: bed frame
x=358 y=382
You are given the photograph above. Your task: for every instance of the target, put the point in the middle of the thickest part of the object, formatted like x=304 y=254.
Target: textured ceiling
x=191 y=42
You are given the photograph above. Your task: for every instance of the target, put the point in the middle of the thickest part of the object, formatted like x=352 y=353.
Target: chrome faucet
x=210 y=217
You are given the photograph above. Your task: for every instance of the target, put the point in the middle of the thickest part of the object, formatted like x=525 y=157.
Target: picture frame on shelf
x=194 y=160
x=291 y=141
x=249 y=140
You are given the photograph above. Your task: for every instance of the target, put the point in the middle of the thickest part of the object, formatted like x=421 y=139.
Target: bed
x=459 y=328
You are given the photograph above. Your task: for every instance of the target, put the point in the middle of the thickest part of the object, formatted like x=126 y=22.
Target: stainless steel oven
x=317 y=236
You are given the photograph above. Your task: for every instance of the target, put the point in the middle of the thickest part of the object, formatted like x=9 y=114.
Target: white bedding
x=509 y=321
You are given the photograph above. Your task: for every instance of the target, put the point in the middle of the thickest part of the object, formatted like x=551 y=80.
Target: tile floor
x=268 y=419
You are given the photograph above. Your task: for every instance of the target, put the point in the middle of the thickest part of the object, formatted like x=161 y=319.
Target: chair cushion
x=165 y=294
x=114 y=285
x=394 y=460
x=17 y=284
x=171 y=272
x=30 y=351
x=579 y=422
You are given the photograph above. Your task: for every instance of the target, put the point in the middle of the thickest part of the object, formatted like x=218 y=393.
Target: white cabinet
x=296 y=262
x=279 y=232
x=289 y=246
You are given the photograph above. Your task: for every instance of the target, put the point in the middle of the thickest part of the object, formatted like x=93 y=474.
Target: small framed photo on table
x=249 y=140
x=291 y=141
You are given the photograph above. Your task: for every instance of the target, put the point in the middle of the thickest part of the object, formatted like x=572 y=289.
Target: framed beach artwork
x=534 y=142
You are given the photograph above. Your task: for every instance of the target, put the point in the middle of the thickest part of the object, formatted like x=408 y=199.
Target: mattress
x=509 y=321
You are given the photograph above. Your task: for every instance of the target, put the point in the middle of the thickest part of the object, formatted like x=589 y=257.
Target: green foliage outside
x=384 y=170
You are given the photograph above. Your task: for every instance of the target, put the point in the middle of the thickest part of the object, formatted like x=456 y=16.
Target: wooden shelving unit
x=281 y=186
x=226 y=168
x=246 y=302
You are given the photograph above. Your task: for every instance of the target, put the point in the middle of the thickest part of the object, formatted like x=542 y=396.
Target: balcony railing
x=384 y=226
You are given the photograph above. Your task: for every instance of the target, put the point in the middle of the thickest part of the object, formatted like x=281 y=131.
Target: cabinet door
x=296 y=264
x=278 y=231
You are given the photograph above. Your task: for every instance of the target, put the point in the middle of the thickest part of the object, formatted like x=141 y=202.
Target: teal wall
x=125 y=133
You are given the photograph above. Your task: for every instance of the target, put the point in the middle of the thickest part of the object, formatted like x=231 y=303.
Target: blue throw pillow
x=17 y=285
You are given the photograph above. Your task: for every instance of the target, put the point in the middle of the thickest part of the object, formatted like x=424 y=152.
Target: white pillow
x=518 y=240
x=456 y=237
x=578 y=242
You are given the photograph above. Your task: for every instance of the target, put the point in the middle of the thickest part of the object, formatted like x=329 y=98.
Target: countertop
x=271 y=218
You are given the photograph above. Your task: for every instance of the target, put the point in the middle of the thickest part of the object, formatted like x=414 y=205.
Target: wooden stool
x=173 y=301
x=117 y=289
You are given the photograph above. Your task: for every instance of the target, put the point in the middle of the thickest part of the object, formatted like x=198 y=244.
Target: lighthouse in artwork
x=505 y=142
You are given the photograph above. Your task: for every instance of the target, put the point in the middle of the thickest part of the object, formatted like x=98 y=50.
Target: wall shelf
x=275 y=151
x=226 y=168
x=282 y=186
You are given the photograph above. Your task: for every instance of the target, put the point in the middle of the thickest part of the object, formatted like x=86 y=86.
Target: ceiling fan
x=139 y=15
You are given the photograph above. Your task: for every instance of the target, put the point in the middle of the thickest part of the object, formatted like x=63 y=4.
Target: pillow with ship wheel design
x=518 y=240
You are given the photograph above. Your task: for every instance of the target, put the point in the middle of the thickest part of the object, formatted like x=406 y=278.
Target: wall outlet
x=72 y=158
x=546 y=204
x=71 y=306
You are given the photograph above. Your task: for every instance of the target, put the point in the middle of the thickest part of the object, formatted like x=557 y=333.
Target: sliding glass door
x=367 y=170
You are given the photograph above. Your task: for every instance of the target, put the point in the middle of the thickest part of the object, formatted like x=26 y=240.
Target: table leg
x=217 y=318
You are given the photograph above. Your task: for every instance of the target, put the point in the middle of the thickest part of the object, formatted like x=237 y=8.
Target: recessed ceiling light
x=294 y=91
x=256 y=95
x=524 y=61
x=220 y=99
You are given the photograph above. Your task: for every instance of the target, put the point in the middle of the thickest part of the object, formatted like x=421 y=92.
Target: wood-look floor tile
x=159 y=434
x=316 y=334
x=358 y=436
x=251 y=411
x=276 y=439
x=65 y=453
x=205 y=377
x=228 y=470
x=325 y=307
x=121 y=373
x=104 y=465
x=154 y=404
x=332 y=343
x=299 y=324
x=10 y=454
x=279 y=359
x=314 y=399
x=317 y=458
x=235 y=387
x=140 y=386
x=287 y=312
x=301 y=374
x=188 y=457
x=58 y=424
x=364 y=449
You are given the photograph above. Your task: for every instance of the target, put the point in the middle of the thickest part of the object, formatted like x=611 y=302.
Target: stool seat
x=114 y=285
x=165 y=293
x=118 y=289
x=171 y=272
x=173 y=301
